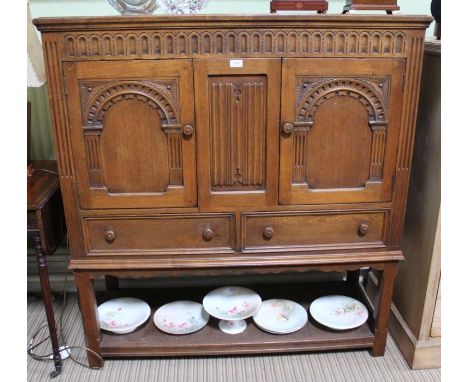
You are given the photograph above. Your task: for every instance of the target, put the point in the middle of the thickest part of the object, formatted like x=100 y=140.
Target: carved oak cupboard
x=222 y=145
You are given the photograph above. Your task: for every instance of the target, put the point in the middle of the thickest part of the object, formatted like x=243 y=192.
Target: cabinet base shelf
x=148 y=341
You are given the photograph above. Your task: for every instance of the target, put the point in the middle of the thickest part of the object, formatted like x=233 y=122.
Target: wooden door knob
x=208 y=233
x=110 y=236
x=363 y=229
x=187 y=130
x=268 y=232
x=288 y=128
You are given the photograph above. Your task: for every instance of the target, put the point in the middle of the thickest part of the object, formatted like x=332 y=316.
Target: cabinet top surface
x=59 y=24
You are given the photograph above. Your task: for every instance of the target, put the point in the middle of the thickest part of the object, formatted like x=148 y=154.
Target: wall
x=102 y=8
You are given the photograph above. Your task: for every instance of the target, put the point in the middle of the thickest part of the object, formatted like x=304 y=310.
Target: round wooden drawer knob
x=363 y=229
x=268 y=232
x=288 y=128
x=187 y=130
x=110 y=236
x=208 y=233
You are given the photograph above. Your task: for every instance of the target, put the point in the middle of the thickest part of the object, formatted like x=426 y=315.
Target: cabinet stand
x=148 y=341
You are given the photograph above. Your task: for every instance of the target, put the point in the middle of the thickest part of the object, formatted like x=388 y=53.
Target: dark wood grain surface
x=42 y=184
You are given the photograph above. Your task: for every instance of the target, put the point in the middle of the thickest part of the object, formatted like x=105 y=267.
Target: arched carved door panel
x=340 y=125
x=133 y=133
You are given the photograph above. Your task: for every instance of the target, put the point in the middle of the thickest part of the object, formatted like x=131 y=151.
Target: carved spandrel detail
x=380 y=85
x=372 y=92
x=236 y=42
x=311 y=92
x=237 y=130
x=99 y=96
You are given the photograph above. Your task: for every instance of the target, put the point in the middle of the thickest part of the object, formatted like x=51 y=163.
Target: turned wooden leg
x=88 y=306
x=112 y=283
x=47 y=298
x=382 y=308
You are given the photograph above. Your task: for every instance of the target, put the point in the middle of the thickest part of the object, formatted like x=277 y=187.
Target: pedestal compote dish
x=232 y=305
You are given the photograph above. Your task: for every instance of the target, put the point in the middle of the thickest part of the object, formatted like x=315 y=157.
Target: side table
x=46 y=224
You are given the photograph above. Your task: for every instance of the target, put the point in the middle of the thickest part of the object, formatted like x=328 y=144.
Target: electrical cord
x=61 y=336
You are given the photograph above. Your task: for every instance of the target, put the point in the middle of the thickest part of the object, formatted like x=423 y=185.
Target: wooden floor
x=340 y=366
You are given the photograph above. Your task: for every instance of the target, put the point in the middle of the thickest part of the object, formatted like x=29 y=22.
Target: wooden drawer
x=160 y=234
x=308 y=230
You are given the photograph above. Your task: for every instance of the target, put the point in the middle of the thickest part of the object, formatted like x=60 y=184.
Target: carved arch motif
x=97 y=97
x=371 y=92
x=102 y=96
x=364 y=91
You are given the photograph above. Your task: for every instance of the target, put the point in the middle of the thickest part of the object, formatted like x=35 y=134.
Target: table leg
x=47 y=298
x=88 y=307
x=382 y=308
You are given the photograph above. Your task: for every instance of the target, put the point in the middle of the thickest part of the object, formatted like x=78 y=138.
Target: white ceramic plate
x=126 y=330
x=280 y=316
x=181 y=317
x=123 y=315
x=232 y=303
x=339 y=312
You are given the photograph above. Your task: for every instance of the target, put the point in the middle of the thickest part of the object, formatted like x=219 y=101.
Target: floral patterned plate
x=280 y=316
x=232 y=305
x=339 y=312
x=123 y=315
x=181 y=317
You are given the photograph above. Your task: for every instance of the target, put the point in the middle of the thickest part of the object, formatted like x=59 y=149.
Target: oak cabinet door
x=237 y=108
x=133 y=133
x=340 y=128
